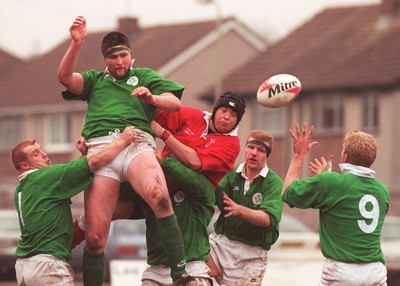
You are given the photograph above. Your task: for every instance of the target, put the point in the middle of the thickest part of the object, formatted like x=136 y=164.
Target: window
x=328 y=113
x=271 y=119
x=57 y=133
x=10 y=128
x=370 y=112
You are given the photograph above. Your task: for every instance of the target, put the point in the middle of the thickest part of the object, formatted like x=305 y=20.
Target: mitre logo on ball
x=278 y=90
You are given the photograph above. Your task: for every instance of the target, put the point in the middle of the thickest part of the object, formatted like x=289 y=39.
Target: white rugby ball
x=278 y=90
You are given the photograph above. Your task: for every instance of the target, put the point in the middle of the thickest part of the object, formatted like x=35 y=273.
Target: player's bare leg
x=213 y=268
x=147 y=179
x=100 y=201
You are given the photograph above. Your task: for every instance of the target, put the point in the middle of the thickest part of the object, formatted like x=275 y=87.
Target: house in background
x=347 y=60
x=8 y=63
x=195 y=54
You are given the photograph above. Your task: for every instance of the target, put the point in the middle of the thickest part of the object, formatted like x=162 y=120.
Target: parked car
x=390 y=242
x=126 y=240
x=9 y=237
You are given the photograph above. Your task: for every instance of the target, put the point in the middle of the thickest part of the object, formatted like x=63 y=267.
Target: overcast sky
x=31 y=27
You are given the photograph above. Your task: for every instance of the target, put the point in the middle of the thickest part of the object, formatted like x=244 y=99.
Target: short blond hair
x=262 y=136
x=360 y=148
x=18 y=155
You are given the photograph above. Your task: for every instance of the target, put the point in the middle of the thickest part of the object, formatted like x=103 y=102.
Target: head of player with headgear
x=116 y=50
x=227 y=112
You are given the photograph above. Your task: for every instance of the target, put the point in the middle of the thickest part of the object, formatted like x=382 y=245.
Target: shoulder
x=272 y=175
x=93 y=74
x=144 y=71
x=193 y=110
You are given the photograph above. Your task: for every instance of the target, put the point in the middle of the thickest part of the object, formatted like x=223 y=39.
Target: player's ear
x=24 y=166
x=346 y=157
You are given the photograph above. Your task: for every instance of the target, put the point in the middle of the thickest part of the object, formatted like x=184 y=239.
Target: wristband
x=165 y=135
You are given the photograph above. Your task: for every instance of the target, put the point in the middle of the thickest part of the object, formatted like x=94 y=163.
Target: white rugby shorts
x=238 y=263
x=335 y=273
x=43 y=269
x=160 y=275
x=118 y=168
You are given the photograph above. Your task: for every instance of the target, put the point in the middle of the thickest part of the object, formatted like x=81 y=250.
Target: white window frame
x=11 y=132
x=370 y=112
x=272 y=119
x=324 y=106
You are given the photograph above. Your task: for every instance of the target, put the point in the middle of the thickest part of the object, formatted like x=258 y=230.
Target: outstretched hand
x=230 y=207
x=301 y=146
x=301 y=140
x=321 y=165
x=78 y=30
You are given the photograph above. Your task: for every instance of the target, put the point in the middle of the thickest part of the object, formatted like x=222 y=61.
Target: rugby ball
x=278 y=90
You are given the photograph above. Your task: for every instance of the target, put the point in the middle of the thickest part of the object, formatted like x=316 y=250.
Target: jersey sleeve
x=171 y=121
x=157 y=84
x=193 y=183
x=223 y=187
x=272 y=201
x=306 y=193
x=88 y=79
x=70 y=178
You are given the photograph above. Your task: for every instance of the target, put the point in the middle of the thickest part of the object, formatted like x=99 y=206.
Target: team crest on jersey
x=179 y=197
x=133 y=81
x=257 y=199
x=236 y=188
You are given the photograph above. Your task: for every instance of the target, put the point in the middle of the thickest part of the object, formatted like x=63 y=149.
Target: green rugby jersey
x=264 y=194
x=42 y=200
x=193 y=202
x=111 y=106
x=352 y=210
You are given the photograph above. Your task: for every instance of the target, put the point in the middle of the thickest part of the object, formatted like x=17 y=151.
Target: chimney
x=390 y=8
x=129 y=26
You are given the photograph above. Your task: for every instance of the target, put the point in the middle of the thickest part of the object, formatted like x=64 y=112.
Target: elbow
x=94 y=163
x=61 y=76
x=195 y=165
x=177 y=106
x=62 y=80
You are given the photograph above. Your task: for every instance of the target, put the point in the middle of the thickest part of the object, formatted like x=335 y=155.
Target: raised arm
x=301 y=147
x=186 y=155
x=67 y=76
x=165 y=101
x=105 y=155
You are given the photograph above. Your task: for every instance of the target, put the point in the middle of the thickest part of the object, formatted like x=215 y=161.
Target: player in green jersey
x=201 y=161
x=250 y=202
x=193 y=200
x=120 y=96
x=42 y=200
x=352 y=207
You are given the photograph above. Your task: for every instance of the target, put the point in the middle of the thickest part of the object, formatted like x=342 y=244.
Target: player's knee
x=159 y=199
x=95 y=242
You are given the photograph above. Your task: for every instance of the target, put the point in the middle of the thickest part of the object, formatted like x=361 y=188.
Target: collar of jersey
x=360 y=171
